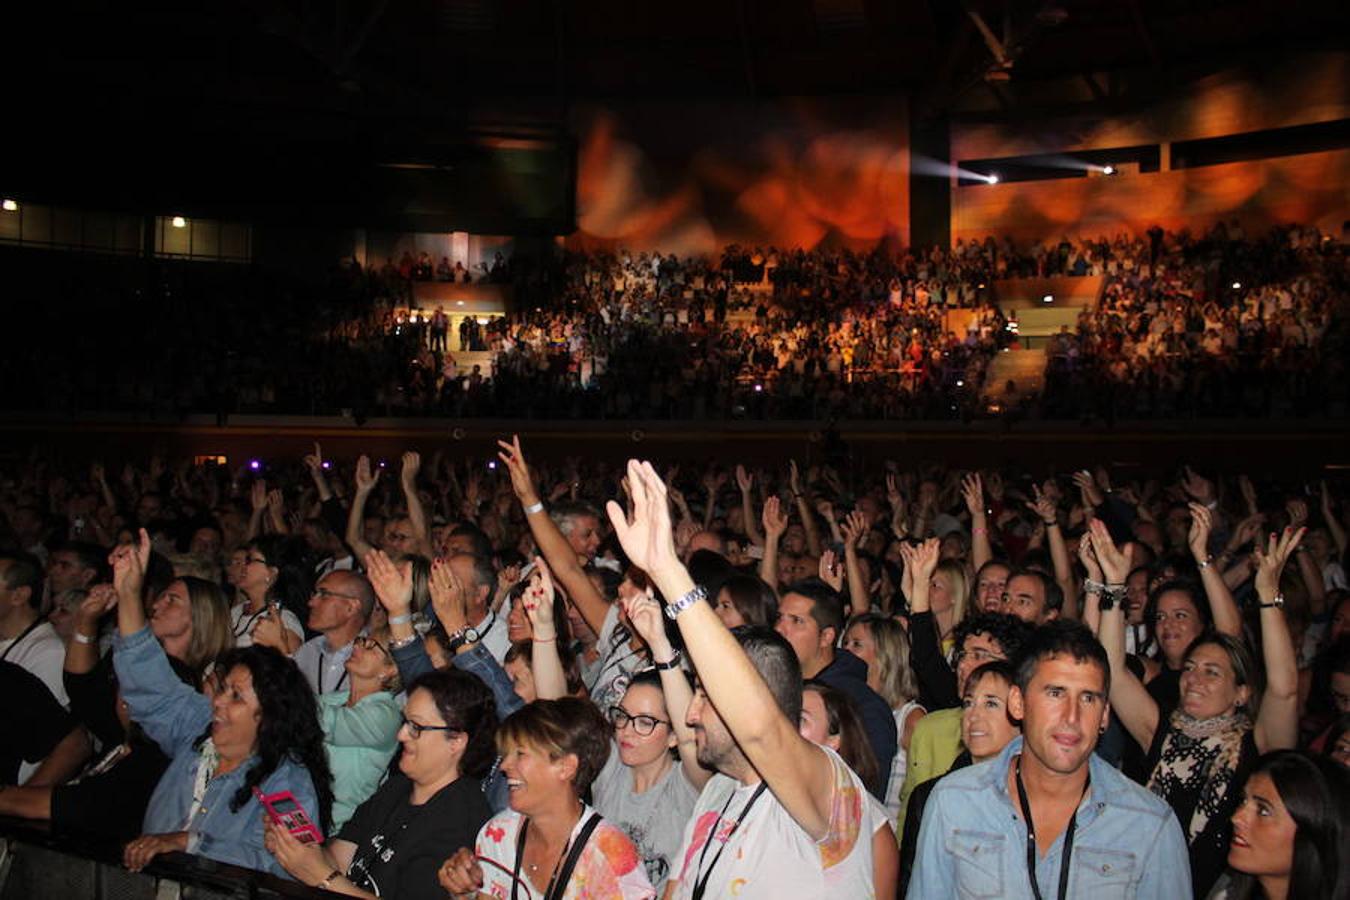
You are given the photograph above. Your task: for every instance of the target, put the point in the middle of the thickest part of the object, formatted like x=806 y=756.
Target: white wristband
x=534 y=508
x=83 y=638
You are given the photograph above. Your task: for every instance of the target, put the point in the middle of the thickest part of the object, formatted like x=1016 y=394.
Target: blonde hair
x=212 y=633
x=955 y=572
x=896 y=681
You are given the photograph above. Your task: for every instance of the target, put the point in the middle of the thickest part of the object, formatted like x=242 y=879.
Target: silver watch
x=689 y=599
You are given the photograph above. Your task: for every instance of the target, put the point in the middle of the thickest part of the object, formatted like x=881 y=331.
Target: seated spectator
x=549 y=842
x=394 y=844
x=260 y=732
x=1291 y=831
x=272 y=581
x=37 y=732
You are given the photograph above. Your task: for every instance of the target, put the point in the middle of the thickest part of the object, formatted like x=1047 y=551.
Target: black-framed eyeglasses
x=366 y=641
x=416 y=728
x=642 y=724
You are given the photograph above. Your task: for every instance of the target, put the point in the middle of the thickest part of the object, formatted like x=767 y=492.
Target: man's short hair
x=361 y=587
x=564 y=515
x=1006 y=630
x=24 y=570
x=90 y=556
x=827 y=607
x=1061 y=637
x=776 y=662
x=484 y=576
x=1054 y=594
x=480 y=543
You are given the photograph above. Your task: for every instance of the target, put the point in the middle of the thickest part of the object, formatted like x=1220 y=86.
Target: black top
x=34 y=723
x=937 y=681
x=113 y=803
x=400 y=847
x=909 y=835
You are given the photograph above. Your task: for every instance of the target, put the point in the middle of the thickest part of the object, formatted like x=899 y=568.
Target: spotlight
x=1048 y=298
x=10 y=205
x=1237 y=285
x=179 y=222
x=326 y=464
x=992 y=178
x=759 y=388
x=459 y=302
x=1108 y=170
x=960 y=382
x=255 y=464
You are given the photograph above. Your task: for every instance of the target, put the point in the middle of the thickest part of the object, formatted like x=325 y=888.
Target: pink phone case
x=287 y=812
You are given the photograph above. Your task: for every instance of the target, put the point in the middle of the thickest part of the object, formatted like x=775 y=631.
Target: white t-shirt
x=43 y=653
x=900 y=762
x=769 y=855
x=607 y=679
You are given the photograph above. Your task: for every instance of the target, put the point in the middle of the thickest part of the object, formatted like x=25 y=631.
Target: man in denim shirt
x=1047 y=818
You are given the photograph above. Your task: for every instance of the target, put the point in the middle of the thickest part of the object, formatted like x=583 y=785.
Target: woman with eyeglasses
x=395 y=842
x=273 y=578
x=360 y=724
x=651 y=779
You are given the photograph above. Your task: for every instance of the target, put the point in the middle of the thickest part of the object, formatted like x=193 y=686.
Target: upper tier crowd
x=497 y=678
x=1212 y=324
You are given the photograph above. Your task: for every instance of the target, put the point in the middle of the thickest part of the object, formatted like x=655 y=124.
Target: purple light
x=327 y=464
x=255 y=464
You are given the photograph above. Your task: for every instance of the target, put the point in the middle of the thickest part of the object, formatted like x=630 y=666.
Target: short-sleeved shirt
x=769 y=854
x=607 y=679
x=400 y=847
x=243 y=621
x=653 y=820
x=608 y=867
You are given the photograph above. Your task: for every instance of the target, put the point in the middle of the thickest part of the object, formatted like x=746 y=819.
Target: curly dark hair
x=1009 y=632
x=294 y=562
x=288 y=725
x=466 y=704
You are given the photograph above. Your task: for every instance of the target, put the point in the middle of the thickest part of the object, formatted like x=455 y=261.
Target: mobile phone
x=287 y=812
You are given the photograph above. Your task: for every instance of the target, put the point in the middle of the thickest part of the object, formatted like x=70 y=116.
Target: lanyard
x=322 y=669
x=1066 y=856
x=562 y=871
x=23 y=634
x=701 y=880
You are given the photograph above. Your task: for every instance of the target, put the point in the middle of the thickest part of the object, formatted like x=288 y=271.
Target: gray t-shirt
x=653 y=820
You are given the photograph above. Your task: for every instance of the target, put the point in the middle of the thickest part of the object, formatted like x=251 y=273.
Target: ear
x=566 y=767
x=829 y=637
x=1016 y=703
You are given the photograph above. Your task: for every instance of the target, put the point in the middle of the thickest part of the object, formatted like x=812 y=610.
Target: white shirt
x=242 y=623
x=42 y=652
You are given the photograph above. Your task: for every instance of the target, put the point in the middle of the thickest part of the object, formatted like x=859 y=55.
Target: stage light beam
x=179 y=222
x=10 y=205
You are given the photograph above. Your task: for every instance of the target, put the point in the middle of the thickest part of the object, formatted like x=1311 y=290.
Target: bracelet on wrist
x=403 y=642
x=1091 y=586
x=1205 y=563
x=534 y=508
x=672 y=663
x=539 y=640
x=402 y=619
x=83 y=638
x=328 y=879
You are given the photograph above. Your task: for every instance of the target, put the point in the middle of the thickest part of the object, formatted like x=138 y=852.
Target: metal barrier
x=38 y=864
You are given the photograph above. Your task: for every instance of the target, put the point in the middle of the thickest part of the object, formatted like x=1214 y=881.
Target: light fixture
x=1108 y=170
x=992 y=178
x=10 y=205
x=1048 y=298
x=1237 y=285
x=179 y=222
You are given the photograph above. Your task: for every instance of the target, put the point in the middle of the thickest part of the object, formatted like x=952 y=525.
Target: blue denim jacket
x=174 y=716
x=973 y=842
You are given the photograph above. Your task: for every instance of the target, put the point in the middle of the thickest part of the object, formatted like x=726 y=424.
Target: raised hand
x=258 y=495
x=1087 y=555
x=1202 y=523
x=276 y=502
x=972 y=491
x=1087 y=486
x=412 y=464
x=1248 y=494
x=647 y=538
x=744 y=480
x=853 y=528
x=645 y=615
x=366 y=478
x=270 y=629
x=1043 y=507
x=923 y=558
x=1247 y=530
x=774 y=518
x=538 y=602
x=129 y=562
x=393 y=584
x=314 y=461
x=448 y=596
x=1270 y=562
x=97 y=603
x=1115 y=561
x=830 y=571
x=1298 y=513
x=522 y=482
x=794 y=477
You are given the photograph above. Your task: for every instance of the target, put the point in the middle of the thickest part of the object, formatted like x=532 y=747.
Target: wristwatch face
x=470 y=635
